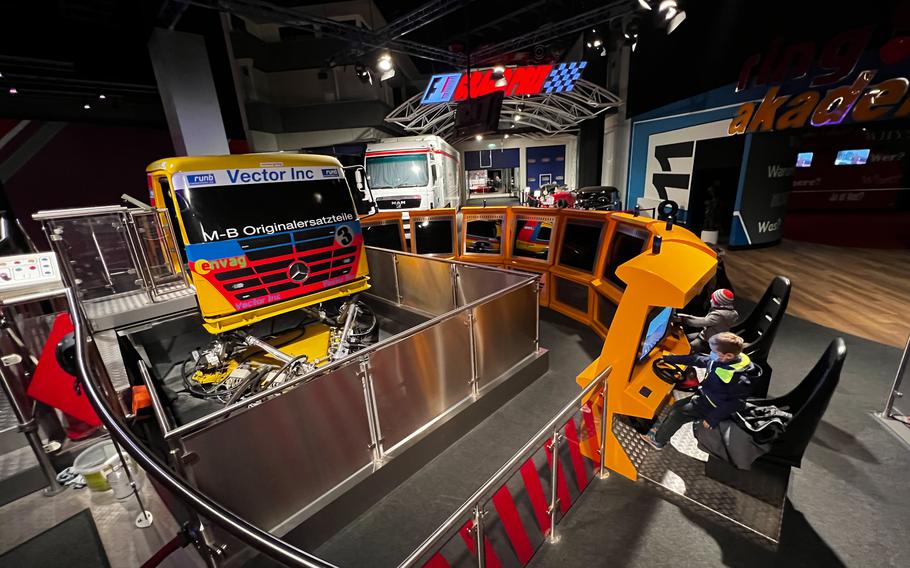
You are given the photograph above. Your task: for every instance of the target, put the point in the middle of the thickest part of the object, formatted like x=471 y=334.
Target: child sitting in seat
x=723 y=392
x=719 y=319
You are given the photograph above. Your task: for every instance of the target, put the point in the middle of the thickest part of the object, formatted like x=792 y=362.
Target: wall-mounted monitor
x=628 y=242
x=851 y=157
x=655 y=330
x=580 y=242
x=433 y=235
x=385 y=234
x=532 y=237
x=483 y=234
x=804 y=159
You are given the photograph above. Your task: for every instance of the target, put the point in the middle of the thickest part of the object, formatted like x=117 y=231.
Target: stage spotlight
x=363 y=73
x=498 y=76
x=479 y=137
x=644 y=4
x=385 y=62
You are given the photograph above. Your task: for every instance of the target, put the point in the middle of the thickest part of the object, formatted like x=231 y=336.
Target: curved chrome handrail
x=250 y=534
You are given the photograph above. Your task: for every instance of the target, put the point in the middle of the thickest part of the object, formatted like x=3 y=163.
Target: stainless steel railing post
x=472 y=344
x=372 y=412
x=602 y=472
x=898 y=379
x=553 y=538
x=478 y=535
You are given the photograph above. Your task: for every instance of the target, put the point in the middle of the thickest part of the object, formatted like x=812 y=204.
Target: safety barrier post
x=472 y=345
x=372 y=412
x=477 y=529
x=898 y=379
x=553 y=538
x=602 y=472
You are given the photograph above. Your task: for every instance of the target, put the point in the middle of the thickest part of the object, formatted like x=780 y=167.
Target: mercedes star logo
x=298 y=272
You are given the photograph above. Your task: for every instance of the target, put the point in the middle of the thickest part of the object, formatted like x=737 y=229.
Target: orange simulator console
x=664 y=277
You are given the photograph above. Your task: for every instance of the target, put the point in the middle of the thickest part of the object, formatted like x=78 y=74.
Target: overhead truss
x=548 y=114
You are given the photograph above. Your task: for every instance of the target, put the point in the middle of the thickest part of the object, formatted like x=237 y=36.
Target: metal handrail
x=456 y=519
x=250 y=534
x=199 y=423
x=898 y=379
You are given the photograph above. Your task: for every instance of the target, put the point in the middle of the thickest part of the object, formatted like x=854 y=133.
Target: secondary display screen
x=580 y=244
x=655 y=330
x=433 y=236
x=483 y=235
x=382 y=235
x=627 y=243
x=804 y=159
x=851 y=157
x=532 y=237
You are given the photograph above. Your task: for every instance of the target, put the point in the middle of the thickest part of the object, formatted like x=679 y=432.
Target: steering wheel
x=683 y=379
x=670 y=373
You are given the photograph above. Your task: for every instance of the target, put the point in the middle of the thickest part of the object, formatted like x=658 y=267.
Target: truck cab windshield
x=212 y=213
x=386 y=172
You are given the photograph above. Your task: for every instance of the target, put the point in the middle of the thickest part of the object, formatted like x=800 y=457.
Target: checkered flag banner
x=563 y=76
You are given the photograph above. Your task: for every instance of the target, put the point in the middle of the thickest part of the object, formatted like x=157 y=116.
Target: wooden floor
x=864 y=292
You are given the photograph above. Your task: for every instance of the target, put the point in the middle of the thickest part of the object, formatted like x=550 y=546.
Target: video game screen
x=483 y=235
x=627 y=243
x=433 y=235
x=580 y=244
x=383 y=235
x=655 y=330
x=532 y=237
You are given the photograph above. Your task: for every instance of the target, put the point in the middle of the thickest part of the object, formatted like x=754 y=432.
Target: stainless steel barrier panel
x=507 y=519
x=476 y=282
x=383 y=275
x=420 y=378
x=505 y=331
x=270 y=462
x=425 y=285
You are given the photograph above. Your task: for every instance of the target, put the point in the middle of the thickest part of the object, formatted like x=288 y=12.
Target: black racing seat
x=807 y=402
x=769 y=475
x=760 y=327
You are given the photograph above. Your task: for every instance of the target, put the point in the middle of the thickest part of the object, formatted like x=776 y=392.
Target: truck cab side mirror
x=363 y=197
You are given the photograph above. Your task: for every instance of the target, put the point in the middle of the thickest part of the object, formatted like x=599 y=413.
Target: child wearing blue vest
x=727 y=384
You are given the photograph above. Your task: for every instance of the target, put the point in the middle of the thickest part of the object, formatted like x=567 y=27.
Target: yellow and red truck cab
x=262 y=234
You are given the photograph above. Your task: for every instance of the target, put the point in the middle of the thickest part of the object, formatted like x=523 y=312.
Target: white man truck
x=414 y=172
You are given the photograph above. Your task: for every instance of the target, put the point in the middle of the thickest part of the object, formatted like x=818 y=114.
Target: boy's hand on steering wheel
x=705 y=424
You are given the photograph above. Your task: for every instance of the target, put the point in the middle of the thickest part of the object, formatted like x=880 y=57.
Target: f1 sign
x=528 y=80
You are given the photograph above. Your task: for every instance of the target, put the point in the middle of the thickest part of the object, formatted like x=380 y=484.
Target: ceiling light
x=1 y=75
x=674 y=23
x=498 y=76
x=385 y=62
x=517 y=117
x=13 y=91
x=386 y=75
x=506 y=137
x=102 y=97
x=644 y=4
x=491 y=145
x=479 y=137
x=597 y=43
x=87 y=106
x=589 y=44
x=363 y=73
x=668 y=8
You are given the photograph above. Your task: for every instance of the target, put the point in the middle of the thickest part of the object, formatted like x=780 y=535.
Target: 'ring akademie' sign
x=838 y=59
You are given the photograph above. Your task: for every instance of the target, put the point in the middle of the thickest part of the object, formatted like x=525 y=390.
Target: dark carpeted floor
x=848 y=504
x=73 y=543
